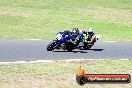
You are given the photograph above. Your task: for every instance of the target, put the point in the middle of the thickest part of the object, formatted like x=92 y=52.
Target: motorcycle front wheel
x=51 y=46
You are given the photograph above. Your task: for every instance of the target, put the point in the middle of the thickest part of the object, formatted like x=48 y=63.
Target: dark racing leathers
x=90 y=37
x=77 y=39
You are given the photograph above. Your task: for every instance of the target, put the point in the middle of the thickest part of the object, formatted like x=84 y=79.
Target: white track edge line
x=45 y=61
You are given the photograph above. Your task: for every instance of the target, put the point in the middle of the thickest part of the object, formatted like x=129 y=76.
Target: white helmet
x=80 y=31
x=90 y=30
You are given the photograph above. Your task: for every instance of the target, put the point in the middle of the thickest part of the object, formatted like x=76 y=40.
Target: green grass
x=60 y=74
x=41 y=19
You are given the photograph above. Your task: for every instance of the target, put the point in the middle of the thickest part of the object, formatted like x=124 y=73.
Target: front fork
x=58 y=45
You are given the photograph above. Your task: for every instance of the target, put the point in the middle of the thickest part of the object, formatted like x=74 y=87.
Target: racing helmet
x=66 y=32
x=75 y=31
x=90 y=31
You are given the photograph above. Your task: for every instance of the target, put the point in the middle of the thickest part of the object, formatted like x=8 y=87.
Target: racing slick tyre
x=51 y=46
x=87 y=47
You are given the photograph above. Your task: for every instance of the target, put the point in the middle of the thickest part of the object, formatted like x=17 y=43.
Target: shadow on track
x=93 y=49
x=97 y=49
x=72 y=51
x=79 y=51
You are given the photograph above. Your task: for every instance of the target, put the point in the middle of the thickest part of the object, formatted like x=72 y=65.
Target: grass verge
x=41 y=19
x=60 y=74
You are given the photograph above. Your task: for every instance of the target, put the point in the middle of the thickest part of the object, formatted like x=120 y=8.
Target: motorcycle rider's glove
x=66 y=36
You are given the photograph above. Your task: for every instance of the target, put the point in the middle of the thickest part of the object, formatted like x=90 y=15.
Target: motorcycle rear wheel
x=88 y=47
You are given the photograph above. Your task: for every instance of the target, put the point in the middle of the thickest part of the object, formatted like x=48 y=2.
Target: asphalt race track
x=30 y=50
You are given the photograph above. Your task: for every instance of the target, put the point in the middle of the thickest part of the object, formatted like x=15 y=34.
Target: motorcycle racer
x=89 y=38
x=91 y=34
x=75 y=33
x=77 y=36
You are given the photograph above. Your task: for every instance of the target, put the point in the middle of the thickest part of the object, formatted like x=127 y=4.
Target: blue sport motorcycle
x=62 y=42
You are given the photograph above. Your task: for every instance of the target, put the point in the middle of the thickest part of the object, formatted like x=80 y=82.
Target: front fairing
x=60 y=39
x=69 y=37
x=60 y=43
x=81 y=36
